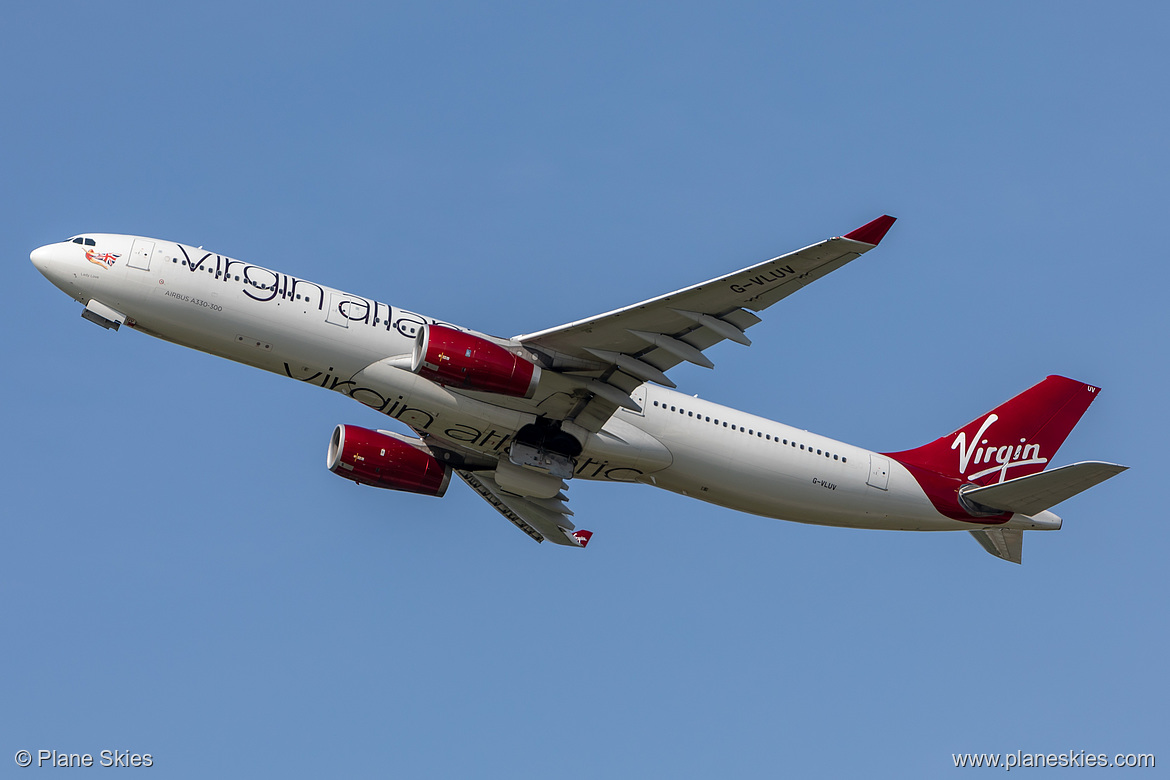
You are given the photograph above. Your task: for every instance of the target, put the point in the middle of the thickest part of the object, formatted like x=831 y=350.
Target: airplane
x=517 y=418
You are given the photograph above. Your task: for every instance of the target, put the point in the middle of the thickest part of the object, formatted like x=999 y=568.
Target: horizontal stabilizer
x=1036 y=492
x=1003 y=543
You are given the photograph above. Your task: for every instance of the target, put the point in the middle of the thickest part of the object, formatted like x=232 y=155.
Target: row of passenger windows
x=211 y=270
x=752 y=432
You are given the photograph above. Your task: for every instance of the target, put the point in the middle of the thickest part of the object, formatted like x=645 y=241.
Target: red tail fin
x=1015 y=439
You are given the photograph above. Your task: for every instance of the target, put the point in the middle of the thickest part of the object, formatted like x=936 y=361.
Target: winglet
x=873 y=232
x=582 y=537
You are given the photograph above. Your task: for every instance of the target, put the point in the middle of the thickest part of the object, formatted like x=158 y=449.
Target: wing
x=622 y=349
x=540 y=518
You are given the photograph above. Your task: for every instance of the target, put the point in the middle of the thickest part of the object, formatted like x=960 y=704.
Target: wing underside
x=615 y=352
x=540 y=519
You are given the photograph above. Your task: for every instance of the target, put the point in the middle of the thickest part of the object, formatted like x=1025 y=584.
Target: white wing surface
x=626 y=347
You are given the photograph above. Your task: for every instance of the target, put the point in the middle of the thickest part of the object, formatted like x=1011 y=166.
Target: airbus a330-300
x=518 y=418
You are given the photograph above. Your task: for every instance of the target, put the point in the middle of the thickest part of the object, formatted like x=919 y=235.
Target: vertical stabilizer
x=1017 y=438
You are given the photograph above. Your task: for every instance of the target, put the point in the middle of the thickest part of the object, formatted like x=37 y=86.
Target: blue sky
x=183 y=577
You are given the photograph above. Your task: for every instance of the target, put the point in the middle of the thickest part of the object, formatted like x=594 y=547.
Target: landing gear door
x=879 y=472
x=140 y=254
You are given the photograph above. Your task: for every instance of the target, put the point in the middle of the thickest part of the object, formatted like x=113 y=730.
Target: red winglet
x=874 y=232
x=583 y=537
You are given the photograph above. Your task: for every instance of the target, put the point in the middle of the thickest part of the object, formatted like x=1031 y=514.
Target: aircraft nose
x=42 y=258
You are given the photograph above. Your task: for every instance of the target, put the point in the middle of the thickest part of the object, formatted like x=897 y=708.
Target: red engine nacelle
x=458 y=359
x=371 y=458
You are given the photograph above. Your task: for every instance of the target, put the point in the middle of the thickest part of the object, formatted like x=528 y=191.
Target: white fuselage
x=334 y=339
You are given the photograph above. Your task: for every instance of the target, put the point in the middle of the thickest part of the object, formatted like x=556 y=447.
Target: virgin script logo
x=1006 y=456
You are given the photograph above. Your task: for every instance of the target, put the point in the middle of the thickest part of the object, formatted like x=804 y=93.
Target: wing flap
x=1034 y=493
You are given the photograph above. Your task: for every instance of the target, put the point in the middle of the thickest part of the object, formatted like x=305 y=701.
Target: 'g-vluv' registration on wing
x=518 y=418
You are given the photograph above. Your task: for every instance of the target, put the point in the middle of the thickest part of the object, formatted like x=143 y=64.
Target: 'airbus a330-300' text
x=517 y=418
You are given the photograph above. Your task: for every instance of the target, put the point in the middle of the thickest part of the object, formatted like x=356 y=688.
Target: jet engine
x=461 y=360
x=386 y=461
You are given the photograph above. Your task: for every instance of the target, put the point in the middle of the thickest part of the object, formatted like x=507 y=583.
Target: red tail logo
x=979 y=452
x=1017 y=438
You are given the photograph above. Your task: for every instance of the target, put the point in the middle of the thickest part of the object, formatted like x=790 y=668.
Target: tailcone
x=1041 y=521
